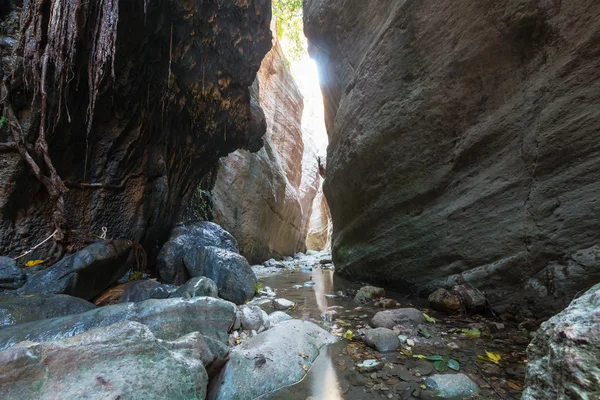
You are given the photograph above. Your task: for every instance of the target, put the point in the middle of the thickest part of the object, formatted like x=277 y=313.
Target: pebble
x=309 y=284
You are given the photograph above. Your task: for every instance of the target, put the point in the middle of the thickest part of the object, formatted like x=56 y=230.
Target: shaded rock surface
x=144 y=290
x=564 y=355
x=167 y=319
x=368 y=293
x=382 y=339
x=463 y=142
x=452 y=386
x=271 y=360
x=84 y=274
x=11 y=276
x=258 y=196
x=400 y=316
x=186 y=237
x=124 y=360
x=131 y=140
x=197 y=287
x=21 y=309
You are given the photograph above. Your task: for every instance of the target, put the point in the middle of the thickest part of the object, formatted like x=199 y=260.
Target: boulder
x=11 y=276
x=382 y=339
x=123 y=360
x=84 y=274
x=445 y=301
x=253 y=318
x=564 y=355
x=136 y=291
x=21 y=309
x=400 y=316
x=167 y=319
x=169 y=262
x=230 y=271
x=452 y=386
x=283 y=304
x=367 y=293
x=197 y=287
x=458 y=150
x=473 y=300
x=272 y=360
x=278 y=317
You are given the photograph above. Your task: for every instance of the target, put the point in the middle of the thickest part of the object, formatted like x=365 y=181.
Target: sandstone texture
x=265 y=198
x=318 y=237
x=463 y=143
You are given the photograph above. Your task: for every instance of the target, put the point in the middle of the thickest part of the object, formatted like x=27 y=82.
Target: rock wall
x=262 y=198
x=464 y=142
x=130 y=141
x=319 y=230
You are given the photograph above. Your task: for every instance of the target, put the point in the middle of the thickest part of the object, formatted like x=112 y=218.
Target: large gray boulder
x=400 y=316
x=21 y=309
x=463 y=142
x=11 y=276
x=564 y=355
x=382 y=339
x=169 y=262
x=84 y=274
x=197 y=287
x=230 y=271
x=167 y=319
x=272 y=360
x=121 y=361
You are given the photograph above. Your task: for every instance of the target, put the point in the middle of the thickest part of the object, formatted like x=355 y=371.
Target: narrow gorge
x=300 y=199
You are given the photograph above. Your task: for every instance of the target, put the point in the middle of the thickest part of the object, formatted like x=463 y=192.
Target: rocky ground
x=393 y=347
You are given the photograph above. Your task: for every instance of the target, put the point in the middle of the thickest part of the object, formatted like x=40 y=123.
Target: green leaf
x=421 y=356
x=453 y=364
x=440 y=366
x=430 y=319
x=472 y=333
x=434 y=358
x=348 y=335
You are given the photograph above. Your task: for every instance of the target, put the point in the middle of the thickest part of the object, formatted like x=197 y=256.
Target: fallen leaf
x=440 y=366
x=33 y=263
x=454 y=365
x=490 y=357
x=423 y=386
x=515 y=386
x=430 y=319
x=348 y=335
x=420 y=356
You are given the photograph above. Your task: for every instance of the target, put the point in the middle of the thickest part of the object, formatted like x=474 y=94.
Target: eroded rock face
x=21 y=309
x=320 y=227
x=564 y=355
x=177 y=100
x=463 y=141
x=261 y=198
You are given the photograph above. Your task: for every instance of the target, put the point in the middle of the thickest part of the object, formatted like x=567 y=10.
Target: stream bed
x=325 y=299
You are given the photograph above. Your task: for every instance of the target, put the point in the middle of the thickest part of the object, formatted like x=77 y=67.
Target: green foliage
x=289 y=25
x=202 y=209
x=3 y=122
x=257 y=288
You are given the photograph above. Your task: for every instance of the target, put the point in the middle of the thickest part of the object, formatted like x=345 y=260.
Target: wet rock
x=197 y=287
x=369 y=366
x=22 y=309
x=386 y=303
x=124 y=360
x=445 y=301
x=84 y=274
x=271 y=360
x=367 y=293
x=390 y=318
x=279 y=316
x=382 y=339
x=283 y=304
x=169 y=262
x=263 y=303
x=272 y=263
x=253 y=318
x=11 y=276
x=167 y=319
x=356 y=379
x=564 y=355
x=137 y=291
x=452 y=386
x=325 y=261
x=230 y=271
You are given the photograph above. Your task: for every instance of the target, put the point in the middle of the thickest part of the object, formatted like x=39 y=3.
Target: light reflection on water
x=322 y=382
